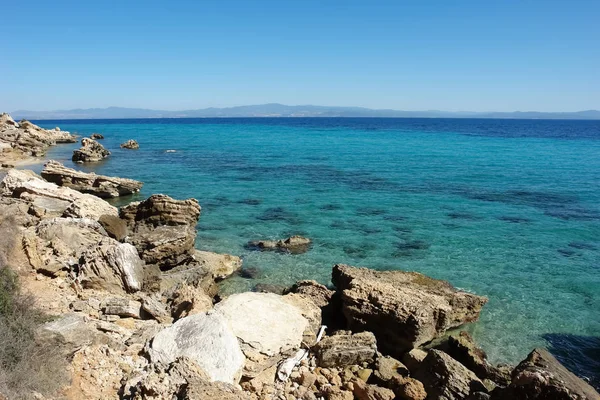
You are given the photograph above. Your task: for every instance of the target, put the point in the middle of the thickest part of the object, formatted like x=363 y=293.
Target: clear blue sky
x=414 y=55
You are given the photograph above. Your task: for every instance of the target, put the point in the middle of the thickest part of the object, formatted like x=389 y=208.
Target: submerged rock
x=130 y=144
x=99 y=185
x=402 y=309
x=541 y=376
x=90 y=151
x=293 y=245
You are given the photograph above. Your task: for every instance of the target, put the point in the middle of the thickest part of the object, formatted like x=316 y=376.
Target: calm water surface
x=509 y=209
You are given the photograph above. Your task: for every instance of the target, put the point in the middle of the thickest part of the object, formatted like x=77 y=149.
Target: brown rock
x=402 y=309
x=114 y=226
x=344 y=350
x=408 y=388
x=364 y=391
x=122 y=307
x=413 y=359
x=387 y=368
x=541 y=377
x=293 y=245
x=96 y=136
x=188 y=300
x=130 y=144
x=98 y=185
x=90 y=151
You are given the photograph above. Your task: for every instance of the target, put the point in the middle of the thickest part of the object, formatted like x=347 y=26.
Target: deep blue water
x=509 y=209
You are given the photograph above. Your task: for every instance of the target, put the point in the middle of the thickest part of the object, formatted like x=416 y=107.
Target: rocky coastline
x=136 y=313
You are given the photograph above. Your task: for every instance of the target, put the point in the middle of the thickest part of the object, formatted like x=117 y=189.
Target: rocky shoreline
x=137 y=312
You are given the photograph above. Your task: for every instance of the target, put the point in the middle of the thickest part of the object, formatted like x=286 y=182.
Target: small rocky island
x=135 y=311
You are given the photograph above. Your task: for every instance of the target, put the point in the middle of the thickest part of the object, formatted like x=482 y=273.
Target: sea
x=508 y=209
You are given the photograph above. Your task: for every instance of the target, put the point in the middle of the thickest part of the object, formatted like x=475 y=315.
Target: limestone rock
x=155 y=308
x=111 y=266
x=445 y=378
x=122 y=307
x=413 y=359
x=98 y=185
x=188 y=300
x=293 y=245
x=388 y=368
x=207 y=340
x=364 y=391
x=540 y=376
x=96 y=136
x=73 y=331
x=402 y=309
x=266 y=326
x=344 y=350
x=130 y=144
x=115 y=227
x=90 y=151
x=220 y=265
x=407 y=388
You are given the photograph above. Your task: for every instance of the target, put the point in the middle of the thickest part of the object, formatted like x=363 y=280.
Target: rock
x=364 y=391
x=98 y=185
x=155 y=308
x=407 y=388
x=96 y=136
x=162 y=229
x=462 y=348
x=293 y=245
x=402 y=309
x=541 y=376
x=220 y=265
x=188 y=300
x=445 y=378
x=335 y=393
x=364 y=374
x=114 y=226
x=318 y=293
x=90 y=151
x=344 y=350
x=266 y=326
x=14 y=221
x=388 y=368
x=205 y=339
x=122 y=307
x=413 y=359
x=72 y=331
x=31 y=188
x=269 y=288
x=130 y=144
x=111 y=266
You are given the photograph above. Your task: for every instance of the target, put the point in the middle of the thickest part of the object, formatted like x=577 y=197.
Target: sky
x=448 y=55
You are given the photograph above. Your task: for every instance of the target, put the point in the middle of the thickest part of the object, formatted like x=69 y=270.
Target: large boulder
x=444 y=378
x=111 y=266
x=98 y=185
x=90 y=151
x=162 y=229
x=402 y=309
x=52 y=199
x=267 y=326
x=541 y=377
x=206 y=339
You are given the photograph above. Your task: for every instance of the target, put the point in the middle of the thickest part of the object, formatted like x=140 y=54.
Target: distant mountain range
x=280 y=110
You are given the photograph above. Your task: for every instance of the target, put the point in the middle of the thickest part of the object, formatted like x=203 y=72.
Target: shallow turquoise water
x=506 y=209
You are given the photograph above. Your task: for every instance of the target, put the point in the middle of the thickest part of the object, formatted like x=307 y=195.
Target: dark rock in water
x=409 y=248
x=91 y=151
x=96 y=136
x=278 y=214
x=330 y=207
x=130 y=144
x=358 y=252
x=463 y=215
x=292 y=245
x=250 y=273
x=402 y=229
x=370 y=211
x=402 y=309
x=514 y=220
x=269 y=288
x=394 y=218
x=114 y=226
x=541 y=376
x=98 y=185
x=567 y=252
x=251 y=202
x=583 y=246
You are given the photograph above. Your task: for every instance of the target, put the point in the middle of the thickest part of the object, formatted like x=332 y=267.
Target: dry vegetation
x=27 y=366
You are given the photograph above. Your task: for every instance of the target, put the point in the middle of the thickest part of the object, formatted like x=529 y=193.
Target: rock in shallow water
x=402 y=309
x=130 y=144
x=99 y=185
x=90 y=151
x=293 y=245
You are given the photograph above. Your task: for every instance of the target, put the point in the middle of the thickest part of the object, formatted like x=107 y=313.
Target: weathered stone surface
x=407 y=388
x=188 y=300
x=154 y=307
x=204 y=338
x=388 y=368
x=220 y=265
x=413 y=359
x=344 y=350
x=96 y=136
x=111 y=266
x=541 y=377
x=122 y=307
x=130 y=144
x=162 y=229
x=364 y=391
x=293 y=245
x=115 y=227
x=90 y=151
x=445 y=378
x=402 y=309
x=266 y=326
x=14 y=221
x=98 y=185
x=462 y=348
x=71 y=331
x=318 y=293
x=31 y=188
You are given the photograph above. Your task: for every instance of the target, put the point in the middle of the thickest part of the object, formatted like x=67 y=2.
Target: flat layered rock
x=402 y=309
x=90 y=151
x=345 y=350
x=98 y=185
x=292 y=245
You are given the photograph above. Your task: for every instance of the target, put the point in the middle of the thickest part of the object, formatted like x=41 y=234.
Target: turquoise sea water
x=508 y=209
